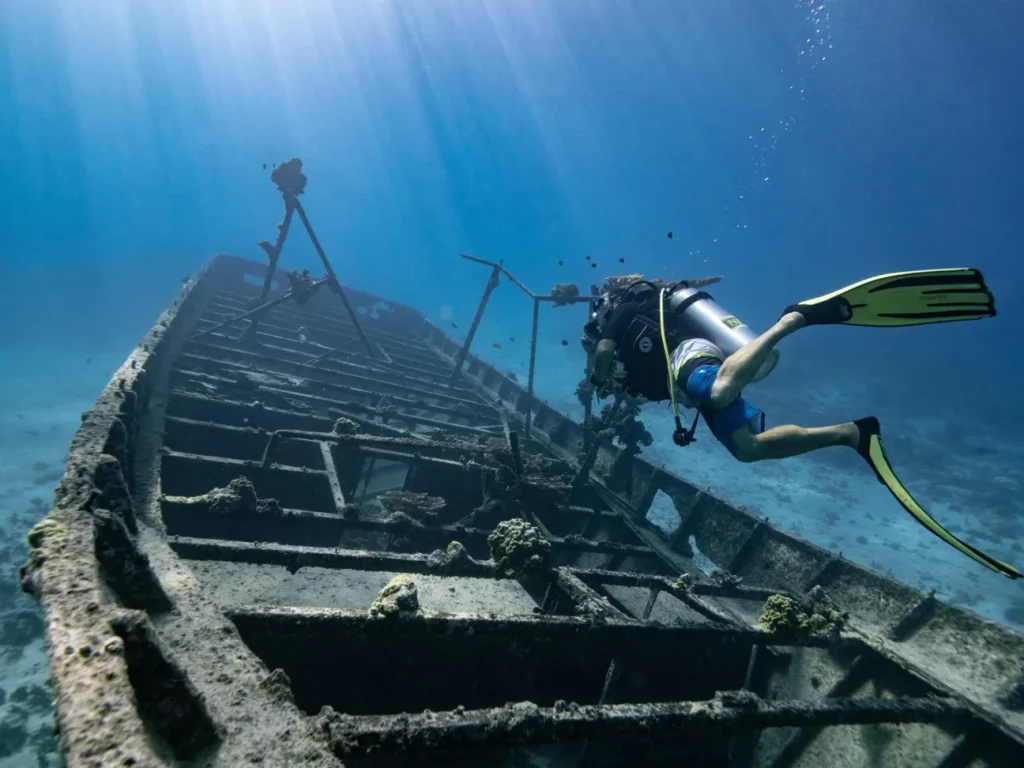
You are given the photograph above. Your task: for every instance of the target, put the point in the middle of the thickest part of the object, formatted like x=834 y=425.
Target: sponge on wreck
x=398 y=599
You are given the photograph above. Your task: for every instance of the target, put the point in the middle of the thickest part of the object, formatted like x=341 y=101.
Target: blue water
x=864 y=137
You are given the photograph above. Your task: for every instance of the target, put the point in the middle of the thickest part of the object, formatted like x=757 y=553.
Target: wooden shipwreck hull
x=193 y=620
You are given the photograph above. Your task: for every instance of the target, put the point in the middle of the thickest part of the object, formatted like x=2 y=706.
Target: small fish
x=19 y=416
x=264 y=166
x=88 y=361
x=588 y=257
x=185 y=278
x=739 y=197
x=561 y=263
x=593 y=264
x=621 y=260
x=511 y=338
x=565 y=343
x=496 y=345
x=31 y=432
x=669 y=235
x=455 y=326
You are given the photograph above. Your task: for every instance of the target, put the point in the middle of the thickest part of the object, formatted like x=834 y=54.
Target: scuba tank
x=700 y=316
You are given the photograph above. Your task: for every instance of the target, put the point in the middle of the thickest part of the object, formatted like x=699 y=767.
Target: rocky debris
x=454 y=560
x=345 y=426
x=418 y=506
x=238 y=497
x=564 y=293
x=817 y=615
x=289 y=178
x=398 y=599
x=519 y=549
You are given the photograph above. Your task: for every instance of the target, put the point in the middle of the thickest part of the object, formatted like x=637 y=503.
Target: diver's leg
x=739 y=368
x=790 y=440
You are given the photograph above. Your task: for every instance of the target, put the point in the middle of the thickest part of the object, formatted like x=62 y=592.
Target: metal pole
x=262 y=308
x=274 y=251
x=330 y=274
x=533 y=366
x=492 y=283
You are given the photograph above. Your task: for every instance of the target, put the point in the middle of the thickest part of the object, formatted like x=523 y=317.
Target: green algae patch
x=46 y=529
x=815 y=616
x=519 y=548
x=683 y=583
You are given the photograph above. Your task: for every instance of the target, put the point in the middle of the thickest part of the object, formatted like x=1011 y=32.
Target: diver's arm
x=604 y=356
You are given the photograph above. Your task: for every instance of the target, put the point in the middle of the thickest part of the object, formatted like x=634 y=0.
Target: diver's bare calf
x=780 y=442
x=789 y=440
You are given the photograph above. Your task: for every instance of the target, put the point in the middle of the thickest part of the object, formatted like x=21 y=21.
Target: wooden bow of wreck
x=275 y=546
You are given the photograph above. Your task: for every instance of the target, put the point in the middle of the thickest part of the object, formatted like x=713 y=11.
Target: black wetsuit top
x=634 y=327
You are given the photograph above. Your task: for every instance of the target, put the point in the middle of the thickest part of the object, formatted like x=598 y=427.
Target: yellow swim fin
x=903 y=298
x=871 y=449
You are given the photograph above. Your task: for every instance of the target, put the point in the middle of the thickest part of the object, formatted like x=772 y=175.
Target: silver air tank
x=702 y=317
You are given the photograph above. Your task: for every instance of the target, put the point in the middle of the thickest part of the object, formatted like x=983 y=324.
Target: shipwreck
x=291 y=534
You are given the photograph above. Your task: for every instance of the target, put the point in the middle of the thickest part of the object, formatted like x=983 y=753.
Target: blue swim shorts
x=726 y=421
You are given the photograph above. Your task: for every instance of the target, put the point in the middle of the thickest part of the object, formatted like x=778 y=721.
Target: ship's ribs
x=194 y=623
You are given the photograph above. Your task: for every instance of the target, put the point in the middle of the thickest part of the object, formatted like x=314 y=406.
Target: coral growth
x=617 y=282
x=418 y=506
x=238 y=496
x=454 y=559
x=630 y=432
x=46 y=528
x=399 y=599
x=289 y=178
x=564 y=293
x=684 y=582
x=817 y=615
x=621 y=422
x=301 y=285
x=584 y=391
x=519 y=548
x=345 y=426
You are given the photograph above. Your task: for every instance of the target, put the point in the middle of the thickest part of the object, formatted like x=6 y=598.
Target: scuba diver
x=676 y=343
